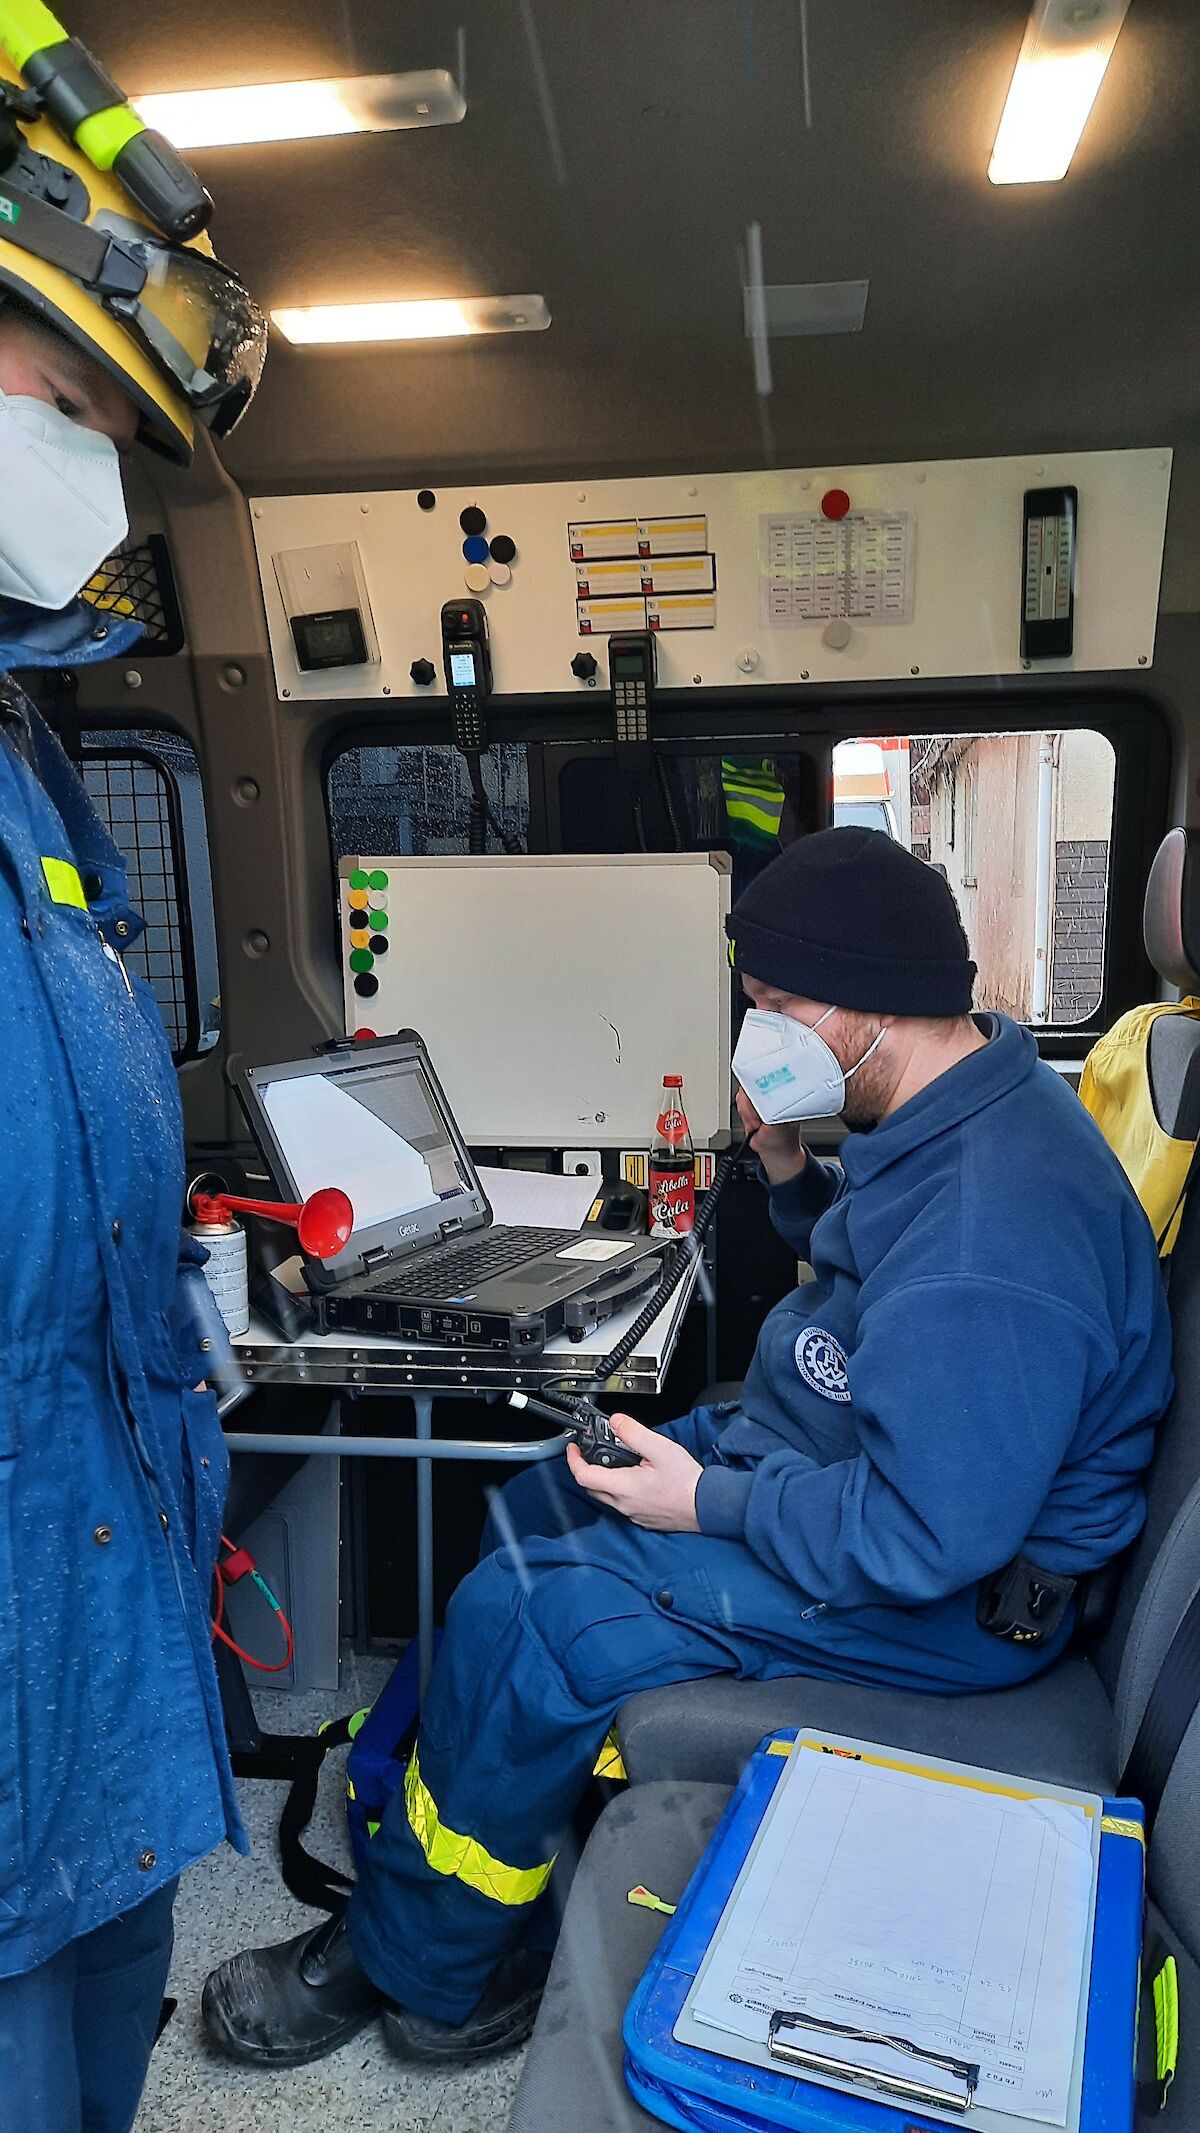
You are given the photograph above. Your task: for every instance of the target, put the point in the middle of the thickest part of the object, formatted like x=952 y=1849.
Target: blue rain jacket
x=113 y=1767
x=977 y=1368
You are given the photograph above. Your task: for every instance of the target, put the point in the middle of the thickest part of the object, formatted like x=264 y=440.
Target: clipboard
x=702 y=2091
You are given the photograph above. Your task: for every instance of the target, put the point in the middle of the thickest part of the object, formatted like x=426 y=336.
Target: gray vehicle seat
x=684 y=1747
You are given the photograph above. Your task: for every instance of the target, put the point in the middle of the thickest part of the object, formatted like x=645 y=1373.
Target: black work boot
x=288 y=2005
x=503 y=2018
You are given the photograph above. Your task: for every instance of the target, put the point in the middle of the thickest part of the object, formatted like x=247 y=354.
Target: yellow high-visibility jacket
x=1115 y=1088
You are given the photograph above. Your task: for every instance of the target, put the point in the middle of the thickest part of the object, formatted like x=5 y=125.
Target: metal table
x=370 y=1364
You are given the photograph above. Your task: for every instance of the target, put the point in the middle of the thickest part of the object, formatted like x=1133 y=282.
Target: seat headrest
x=1172 y=916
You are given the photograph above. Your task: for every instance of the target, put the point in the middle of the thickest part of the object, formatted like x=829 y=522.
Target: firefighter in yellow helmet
x=114 y=1775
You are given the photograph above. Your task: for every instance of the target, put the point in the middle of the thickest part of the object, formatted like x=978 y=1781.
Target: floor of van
x=227 y=1903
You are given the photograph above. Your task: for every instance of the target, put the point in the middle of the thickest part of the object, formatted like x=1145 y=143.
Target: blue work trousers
x=570 y=1611
x=76 y=2033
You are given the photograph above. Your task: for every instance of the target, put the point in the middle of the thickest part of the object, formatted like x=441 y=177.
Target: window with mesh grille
x=145 y=786
x=135 y=584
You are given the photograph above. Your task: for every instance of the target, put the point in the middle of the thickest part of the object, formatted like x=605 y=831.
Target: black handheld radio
x=468 y=665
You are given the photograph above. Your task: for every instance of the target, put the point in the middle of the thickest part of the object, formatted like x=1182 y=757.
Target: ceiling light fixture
x=431 y=319
x=303 y=110
x=1062 y=62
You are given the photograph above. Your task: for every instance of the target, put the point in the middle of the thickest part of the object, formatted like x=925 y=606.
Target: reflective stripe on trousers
x=449 y=1853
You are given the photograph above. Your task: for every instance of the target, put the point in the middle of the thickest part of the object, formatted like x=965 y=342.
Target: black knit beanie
x=848 y=916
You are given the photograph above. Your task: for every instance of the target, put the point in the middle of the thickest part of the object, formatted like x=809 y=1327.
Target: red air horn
x=323 y=1223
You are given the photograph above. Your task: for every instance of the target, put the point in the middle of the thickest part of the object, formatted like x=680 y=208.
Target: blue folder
x=703 y=2092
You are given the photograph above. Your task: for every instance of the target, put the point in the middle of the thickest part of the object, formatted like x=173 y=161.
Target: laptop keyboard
x=457 y=1268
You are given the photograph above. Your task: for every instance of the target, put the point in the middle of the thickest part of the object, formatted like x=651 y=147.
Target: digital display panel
x=333 y=639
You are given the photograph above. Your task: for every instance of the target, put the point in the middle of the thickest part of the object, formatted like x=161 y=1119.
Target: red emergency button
x=835 y=503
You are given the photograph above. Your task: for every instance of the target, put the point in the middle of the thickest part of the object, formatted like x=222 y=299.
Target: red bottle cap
x=672 y=1081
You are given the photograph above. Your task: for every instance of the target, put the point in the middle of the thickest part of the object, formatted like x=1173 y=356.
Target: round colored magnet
x=379 y=943
x=358 y=880
x=359 y=937
x=377 y=920
x=377 y=900
x=357 y=899
x=504 y=549
x=835 y=503
x=476 y=578
x=500 y=574
x=475 y=548
x=473 y=520
x=363 y=1035
x=377 y=879
x=366 y=986
x=362 y=959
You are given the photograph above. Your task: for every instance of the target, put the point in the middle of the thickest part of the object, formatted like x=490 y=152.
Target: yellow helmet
x=175 y=328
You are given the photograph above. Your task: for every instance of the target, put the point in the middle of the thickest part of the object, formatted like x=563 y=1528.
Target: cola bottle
x=672 y=1180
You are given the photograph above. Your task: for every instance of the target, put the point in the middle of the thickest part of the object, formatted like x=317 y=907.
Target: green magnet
x=359 y=879
x=377 y=880
x=377 y=920
x=361 y=959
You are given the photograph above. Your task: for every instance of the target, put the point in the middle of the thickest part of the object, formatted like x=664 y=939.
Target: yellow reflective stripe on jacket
x=1115 y=1088
x=753 y=795
x=610 y=1763
x=62 y=880
x=464 y=1857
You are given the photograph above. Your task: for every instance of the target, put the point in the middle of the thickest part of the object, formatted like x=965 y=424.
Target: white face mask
x=62 y=506
x=788 y=1071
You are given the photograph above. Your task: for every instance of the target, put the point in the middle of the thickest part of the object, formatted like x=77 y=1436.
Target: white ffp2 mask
x=788 y=1071
x=62 y=504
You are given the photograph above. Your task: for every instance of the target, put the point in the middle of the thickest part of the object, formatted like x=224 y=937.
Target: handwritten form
x=956 y=1918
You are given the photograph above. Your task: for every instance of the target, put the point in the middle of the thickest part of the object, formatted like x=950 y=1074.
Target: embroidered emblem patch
x=821 y=1362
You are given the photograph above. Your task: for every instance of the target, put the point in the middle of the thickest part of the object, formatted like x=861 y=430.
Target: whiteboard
x=553 y=992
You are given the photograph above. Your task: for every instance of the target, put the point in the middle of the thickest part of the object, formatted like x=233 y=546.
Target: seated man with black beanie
x=939 y=1433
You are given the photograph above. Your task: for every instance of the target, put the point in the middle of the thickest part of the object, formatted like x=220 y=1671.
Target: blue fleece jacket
x=978 y=1366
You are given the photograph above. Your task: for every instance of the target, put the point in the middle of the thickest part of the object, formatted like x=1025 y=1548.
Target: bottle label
x=672 y=1200
x=672 y=1125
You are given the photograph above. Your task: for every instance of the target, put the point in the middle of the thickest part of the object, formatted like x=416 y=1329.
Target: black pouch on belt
x=1023 y=1603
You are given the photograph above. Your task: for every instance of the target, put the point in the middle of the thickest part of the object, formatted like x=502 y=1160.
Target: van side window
x=1020 y=824
x=416 y=801
x=146 y=787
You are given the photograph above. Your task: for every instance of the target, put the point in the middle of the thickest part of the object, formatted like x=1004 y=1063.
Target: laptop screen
x=377 y=1131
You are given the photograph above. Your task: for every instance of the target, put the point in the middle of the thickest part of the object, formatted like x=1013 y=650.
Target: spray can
x=226 y=1270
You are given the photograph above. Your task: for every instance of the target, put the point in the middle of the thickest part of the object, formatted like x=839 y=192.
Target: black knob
x=423 y=672
x=583 y=666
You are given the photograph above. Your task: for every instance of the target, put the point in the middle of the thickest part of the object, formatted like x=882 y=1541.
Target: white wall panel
x=967 y=516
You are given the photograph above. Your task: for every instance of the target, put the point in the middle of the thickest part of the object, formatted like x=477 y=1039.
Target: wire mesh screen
x=135 y=583
x=133 y=796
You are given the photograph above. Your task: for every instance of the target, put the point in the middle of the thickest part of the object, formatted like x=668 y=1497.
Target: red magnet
x=835 y=503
